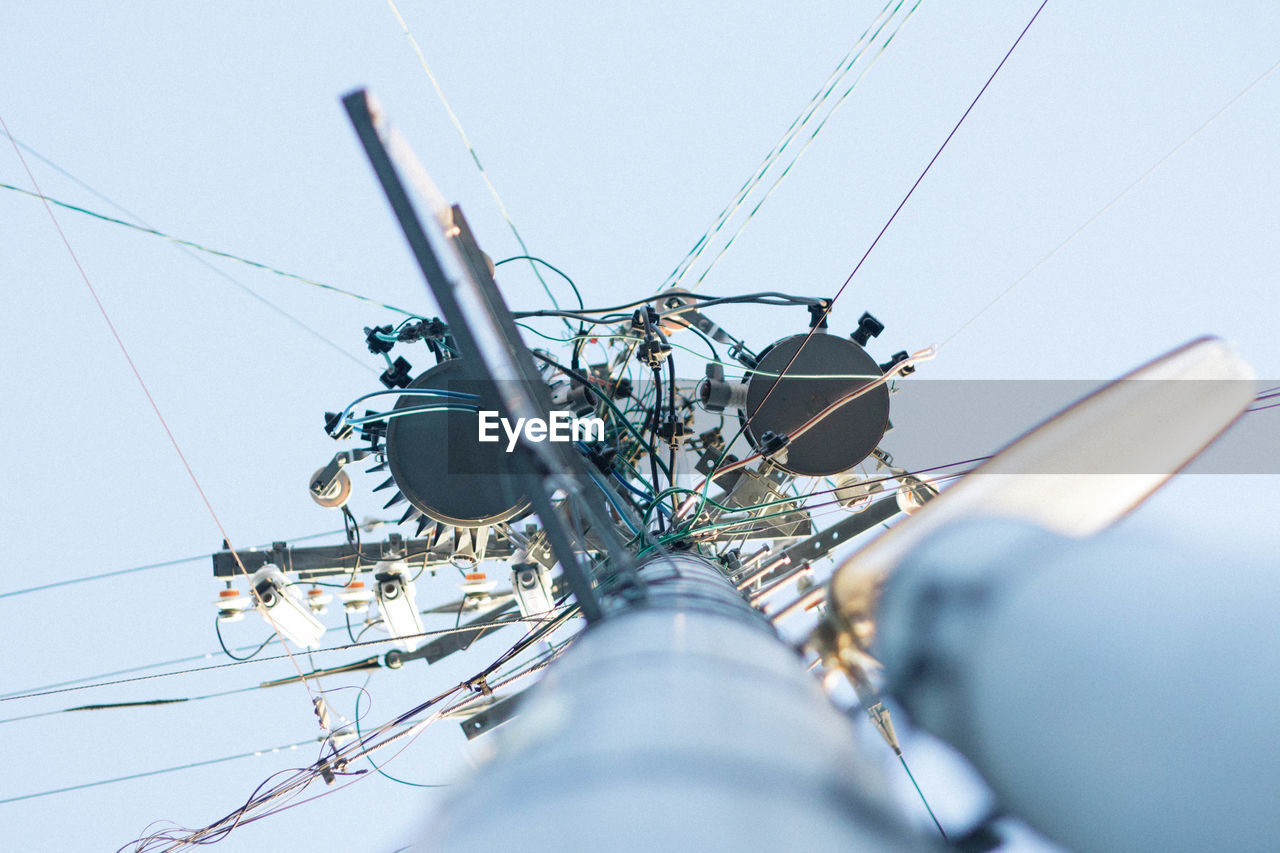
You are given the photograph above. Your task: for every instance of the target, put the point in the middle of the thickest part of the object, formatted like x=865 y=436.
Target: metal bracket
x=486 y=331
x=491 y=717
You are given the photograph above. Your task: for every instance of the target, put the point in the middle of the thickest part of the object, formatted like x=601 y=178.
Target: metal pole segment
x=681 y=723
x=365 y=123
x=823 y=543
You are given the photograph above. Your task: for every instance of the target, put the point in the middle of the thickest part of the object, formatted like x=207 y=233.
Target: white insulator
x=318 y=600
x=914 y=493
x=854 y=492
x=231 y=605
x=477 y=583
x=355 y=597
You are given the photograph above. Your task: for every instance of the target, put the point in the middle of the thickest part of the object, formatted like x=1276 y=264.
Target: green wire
x=410 y=410
x=613 y=408
x=215 y=252
x=369 y=758
x=734 y=365
x=532 y=258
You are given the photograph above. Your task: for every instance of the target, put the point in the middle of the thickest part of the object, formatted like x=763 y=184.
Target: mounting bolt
x=376 y=344
x=868 y=327
x=397 y=375
x=895 y=359
x=773 y=446
x=818 y=314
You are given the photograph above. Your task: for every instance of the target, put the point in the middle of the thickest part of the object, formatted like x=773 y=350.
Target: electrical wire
x=143 y=703
x=927 y=807
x=206 y=249
x=376 y=417
x=195 y=481
x=600 y=395
x=50 y=691
x=374 y=764
x=827 y=309
x=204 y=263
x=144 y=774
x=344 y=415
x=767 y=297
x=1106 y=207
x=715 y=359
x=674 y=416
x=148 y=567
x=814 y=135
x=217 y=627
x=819 y=98
x=654 y=416
x=341 y=759
x=101 y=675
x=576 y=293
x=475 y=158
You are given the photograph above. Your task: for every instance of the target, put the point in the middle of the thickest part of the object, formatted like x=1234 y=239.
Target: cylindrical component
x=855 y=492
x=1116 y=694
x=681 y=724
x=915 y=492
x=820 y=369
x=436 y=458
x=781 y=561
x=334 y=494
x=717 y=395
x=318 y=600
x=232 y=605
x=355 y=597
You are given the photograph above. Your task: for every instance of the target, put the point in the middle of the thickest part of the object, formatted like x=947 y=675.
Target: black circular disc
x=439 y=463
x=842 y=439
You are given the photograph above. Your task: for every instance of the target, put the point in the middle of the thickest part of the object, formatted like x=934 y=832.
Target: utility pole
x=682 y=723
x=679 y=719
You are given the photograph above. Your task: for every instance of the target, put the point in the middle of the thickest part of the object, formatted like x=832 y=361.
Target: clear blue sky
x=614 y=137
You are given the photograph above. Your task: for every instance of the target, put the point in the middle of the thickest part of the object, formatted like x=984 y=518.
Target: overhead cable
x=204 y=263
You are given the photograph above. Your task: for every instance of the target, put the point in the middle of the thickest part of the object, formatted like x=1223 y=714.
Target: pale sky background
x=614 y=137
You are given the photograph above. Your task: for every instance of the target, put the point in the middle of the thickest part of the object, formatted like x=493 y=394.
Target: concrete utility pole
x=683 y=723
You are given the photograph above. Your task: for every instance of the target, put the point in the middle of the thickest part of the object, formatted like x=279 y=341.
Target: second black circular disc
x=827 y=369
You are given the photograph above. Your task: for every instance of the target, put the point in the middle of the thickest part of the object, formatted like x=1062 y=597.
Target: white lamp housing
x=284 y=610
x=396 y=602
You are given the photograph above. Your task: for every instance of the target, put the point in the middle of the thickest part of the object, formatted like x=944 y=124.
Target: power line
x=475 y=158
x=148 y=567
x=827 y=310
x=200 y=248
x=927 y=807
x=147 y=773
x=814 y=135
x=140 y=703
x=497 y=623
x=155 y=407
x=204 y=263
x=46 y=687
x=361 y=748
x=1106 y=207
x=797 y=124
